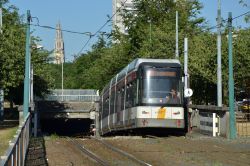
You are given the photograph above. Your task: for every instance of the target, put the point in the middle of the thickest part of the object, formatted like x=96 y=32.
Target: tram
x=146 y=94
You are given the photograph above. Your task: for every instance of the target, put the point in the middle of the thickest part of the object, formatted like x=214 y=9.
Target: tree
x=151 y=34
x=12 y=45
x=12 y=50
x=202 y=67
x=154 y=39
x=241 y=45
x=154 y=25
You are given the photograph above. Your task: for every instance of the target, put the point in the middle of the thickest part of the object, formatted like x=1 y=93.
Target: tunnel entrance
x=65 y=127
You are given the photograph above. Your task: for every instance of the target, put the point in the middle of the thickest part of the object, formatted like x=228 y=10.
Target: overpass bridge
x=67 y=103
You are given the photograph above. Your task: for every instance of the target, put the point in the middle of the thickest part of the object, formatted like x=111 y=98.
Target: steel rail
x=88 y=152
x=130 y=156
x=152 y=136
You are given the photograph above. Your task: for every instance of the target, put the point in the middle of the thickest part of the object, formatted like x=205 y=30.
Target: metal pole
x=150 y=32
x=31 y=84
x=62 y=77
x=32 y=100
x=219 y=78
x=231 y=80
x=177 y=40
x=186 y=63
x=27 y=69
x=1 y=20
x=1 y=104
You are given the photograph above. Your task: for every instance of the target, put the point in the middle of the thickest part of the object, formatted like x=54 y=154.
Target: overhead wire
x=241 y=15
x=64 y=30
x=123 y=5
x=225 y=20
x=99 y=30
x=84 y=46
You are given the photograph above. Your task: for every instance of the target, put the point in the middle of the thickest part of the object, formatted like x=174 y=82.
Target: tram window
x=122 y=98
x=131 y=95
x=157 y=83
x=118 y=102
x=134 y=93
x=105 y=110
x=101 y=109
x=112 y=98
x=106 y=107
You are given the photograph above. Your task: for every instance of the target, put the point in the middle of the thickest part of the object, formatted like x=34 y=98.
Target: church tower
x=59 y=56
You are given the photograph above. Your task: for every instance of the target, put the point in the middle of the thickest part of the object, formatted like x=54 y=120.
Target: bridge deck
x=56 y=109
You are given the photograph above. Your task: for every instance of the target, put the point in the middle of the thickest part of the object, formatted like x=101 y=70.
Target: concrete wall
x=223 y=121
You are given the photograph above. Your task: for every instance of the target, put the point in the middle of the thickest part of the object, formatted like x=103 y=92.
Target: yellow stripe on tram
x=161 y=113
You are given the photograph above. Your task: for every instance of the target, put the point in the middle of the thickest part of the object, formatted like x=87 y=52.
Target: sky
x=91 y=15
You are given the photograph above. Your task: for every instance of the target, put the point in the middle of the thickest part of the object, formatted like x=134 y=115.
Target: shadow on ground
x=36 y=154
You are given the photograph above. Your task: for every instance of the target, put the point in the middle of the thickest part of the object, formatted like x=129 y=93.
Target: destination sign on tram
x=152 y=73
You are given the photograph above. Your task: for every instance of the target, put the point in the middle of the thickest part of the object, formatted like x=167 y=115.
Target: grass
x=54 y=136
x=5 y=136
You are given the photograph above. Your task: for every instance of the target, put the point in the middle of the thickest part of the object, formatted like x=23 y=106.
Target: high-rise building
x=59 y=56
x=118 y=7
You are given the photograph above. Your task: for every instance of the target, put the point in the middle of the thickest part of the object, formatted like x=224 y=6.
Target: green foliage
x=151 y=34
x=12 y=59
x=12 y=45
x=54 y=136
x=104 y=68
x=241 y=45
x=202 y=67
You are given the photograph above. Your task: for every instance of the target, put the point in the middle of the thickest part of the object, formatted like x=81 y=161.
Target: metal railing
x=242 y=119
x=75 y=92
x=86 y=95
x=16 y=153
x=209 y=119
x=86 y=98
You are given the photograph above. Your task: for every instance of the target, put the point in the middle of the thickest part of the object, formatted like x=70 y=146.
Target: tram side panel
x=112 y=104
x=105 y=112
x=125 y=106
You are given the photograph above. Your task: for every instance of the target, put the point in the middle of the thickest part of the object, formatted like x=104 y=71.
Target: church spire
x=59 y=46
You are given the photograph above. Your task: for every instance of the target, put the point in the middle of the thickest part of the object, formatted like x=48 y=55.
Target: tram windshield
x=162 y=86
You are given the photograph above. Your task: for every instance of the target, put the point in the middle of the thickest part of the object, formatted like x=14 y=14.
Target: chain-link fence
x=243 y=124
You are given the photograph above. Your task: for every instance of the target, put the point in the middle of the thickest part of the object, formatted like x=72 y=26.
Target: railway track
x=109 y=155
x=87 y=152
x=122 y=152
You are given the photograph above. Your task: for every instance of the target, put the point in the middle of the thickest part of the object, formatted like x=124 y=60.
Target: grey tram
x=139 y=98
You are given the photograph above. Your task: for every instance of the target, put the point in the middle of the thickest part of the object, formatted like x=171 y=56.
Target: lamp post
x=1 y=20
x=62 y=61
x=27 y=69
x=219 y=76
x=231 y=80
x=176 y=33
x=176 y=37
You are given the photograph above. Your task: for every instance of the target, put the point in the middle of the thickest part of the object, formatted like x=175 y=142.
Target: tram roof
x=135 y=64
x=142 y=60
